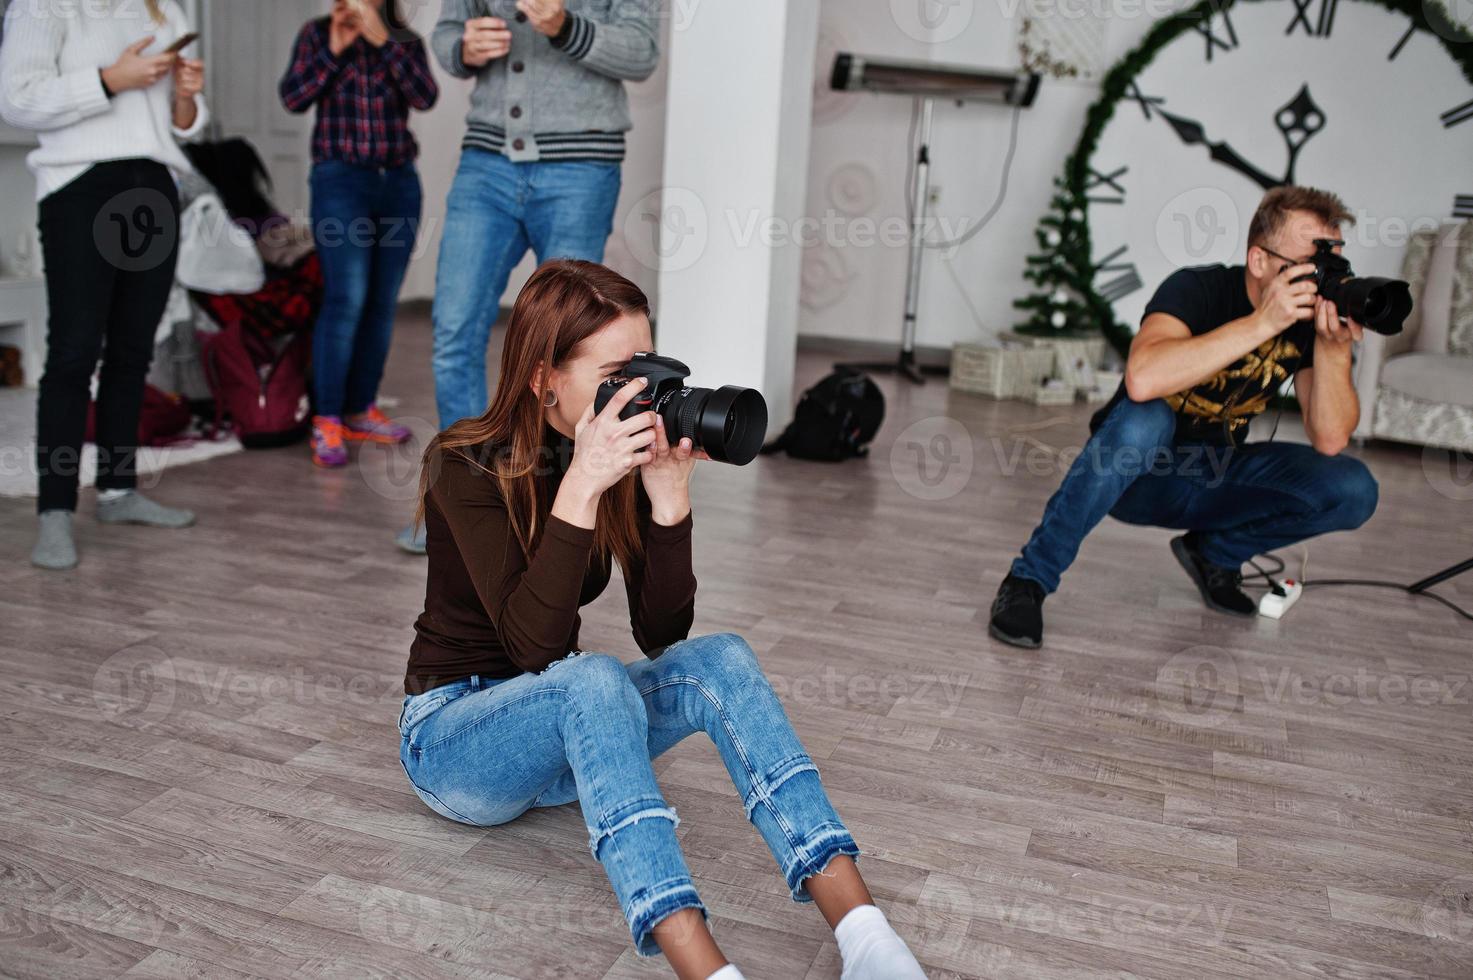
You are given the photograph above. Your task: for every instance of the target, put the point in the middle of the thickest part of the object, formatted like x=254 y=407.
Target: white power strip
x=1274 y=606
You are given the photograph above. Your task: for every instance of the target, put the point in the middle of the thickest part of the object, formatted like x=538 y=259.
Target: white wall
x=859 y=158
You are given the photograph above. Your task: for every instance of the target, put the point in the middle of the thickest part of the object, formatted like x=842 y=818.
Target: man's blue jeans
x=1241 y=501
x=485 y=751
x=364 y=222
x=496 y=210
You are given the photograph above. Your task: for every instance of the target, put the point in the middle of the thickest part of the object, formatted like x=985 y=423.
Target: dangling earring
x=545 y=402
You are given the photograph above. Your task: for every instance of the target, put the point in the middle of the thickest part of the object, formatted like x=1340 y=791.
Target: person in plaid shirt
x=364 y=71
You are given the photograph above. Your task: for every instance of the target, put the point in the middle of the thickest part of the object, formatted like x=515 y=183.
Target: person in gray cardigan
x=539 y=164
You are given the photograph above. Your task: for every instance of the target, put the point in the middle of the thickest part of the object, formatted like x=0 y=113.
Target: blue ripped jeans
x=484 y=751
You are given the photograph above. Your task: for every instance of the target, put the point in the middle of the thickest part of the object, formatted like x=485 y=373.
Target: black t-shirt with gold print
x=1219 y=409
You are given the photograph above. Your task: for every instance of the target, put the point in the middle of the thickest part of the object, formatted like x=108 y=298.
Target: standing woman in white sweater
x=109 y=102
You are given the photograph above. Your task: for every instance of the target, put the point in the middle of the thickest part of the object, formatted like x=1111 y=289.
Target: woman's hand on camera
x=606 y=449
x=666 y=478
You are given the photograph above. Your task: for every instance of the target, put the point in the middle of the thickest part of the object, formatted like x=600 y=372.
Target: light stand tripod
x=924 y=81
x=1442 y=576
x=905 y=363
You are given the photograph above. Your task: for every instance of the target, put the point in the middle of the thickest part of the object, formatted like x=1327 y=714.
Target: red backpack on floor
x=259 y=384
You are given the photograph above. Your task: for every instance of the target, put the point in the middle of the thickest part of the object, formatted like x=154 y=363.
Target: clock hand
x=1191 y=132
x=1298 y=119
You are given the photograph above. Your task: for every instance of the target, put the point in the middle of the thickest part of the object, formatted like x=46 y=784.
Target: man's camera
x=728 y=423
x=1378 y=304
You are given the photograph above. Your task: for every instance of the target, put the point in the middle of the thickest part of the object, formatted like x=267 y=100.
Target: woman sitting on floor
x=525 y=506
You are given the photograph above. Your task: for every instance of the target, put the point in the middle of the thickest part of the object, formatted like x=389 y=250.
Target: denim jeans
x=364 y=221
x=484 y=751
x=1242 y=501
x=496 y=210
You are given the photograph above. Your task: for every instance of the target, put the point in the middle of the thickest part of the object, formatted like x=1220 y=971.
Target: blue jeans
x=364 y=221
x=1241 y=501
x=496 y=210
x=484 y=751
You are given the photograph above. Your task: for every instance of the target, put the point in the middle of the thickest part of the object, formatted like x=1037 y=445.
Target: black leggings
x=110 y=239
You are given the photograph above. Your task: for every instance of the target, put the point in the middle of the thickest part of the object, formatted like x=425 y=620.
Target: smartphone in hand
x=182 y=43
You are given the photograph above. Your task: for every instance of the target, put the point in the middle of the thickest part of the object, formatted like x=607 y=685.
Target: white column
x=737 y=129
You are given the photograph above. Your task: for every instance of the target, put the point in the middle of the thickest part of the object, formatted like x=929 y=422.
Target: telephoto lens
x=728 y=423
x=1377 y=303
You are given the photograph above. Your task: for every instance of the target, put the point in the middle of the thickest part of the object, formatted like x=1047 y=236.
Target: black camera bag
x=834 y=419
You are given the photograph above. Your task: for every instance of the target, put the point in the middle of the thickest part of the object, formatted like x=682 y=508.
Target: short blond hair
x=1276 y=205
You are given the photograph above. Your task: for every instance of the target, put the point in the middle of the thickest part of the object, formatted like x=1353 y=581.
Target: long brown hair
x=565 y=302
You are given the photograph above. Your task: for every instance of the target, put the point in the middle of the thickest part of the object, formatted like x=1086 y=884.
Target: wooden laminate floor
x=199 y=773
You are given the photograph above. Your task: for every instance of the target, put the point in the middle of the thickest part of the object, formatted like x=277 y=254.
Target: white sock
x=106 y=495
x=871 y=950
x=727 y=972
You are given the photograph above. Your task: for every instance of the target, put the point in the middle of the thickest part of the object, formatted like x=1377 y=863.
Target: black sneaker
x=1017 y=612
x=1220 y=587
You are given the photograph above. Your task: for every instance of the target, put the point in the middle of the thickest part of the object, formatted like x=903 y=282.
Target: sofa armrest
x=1372 y=356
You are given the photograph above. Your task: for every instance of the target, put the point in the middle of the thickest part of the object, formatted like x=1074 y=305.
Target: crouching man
x=1215 y=344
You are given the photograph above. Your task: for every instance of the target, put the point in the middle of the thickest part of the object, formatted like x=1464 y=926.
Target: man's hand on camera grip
x=1285 y=302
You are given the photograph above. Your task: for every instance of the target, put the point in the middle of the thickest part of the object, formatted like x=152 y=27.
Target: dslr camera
x=1379 y=304
x=729 y=423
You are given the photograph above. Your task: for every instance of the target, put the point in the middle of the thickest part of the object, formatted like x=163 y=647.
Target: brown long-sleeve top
x=491 y=611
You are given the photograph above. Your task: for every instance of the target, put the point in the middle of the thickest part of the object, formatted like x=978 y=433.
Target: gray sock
x=54 y=545
x=134 y=508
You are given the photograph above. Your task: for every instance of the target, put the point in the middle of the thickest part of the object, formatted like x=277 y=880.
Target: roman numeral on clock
x=1463 y=206
x=1132 y=91
x=1457 y=114
x=1110 y=180
x=1204 y=28
x=1126 y=281
x=1402 y=43
x=1324 y=19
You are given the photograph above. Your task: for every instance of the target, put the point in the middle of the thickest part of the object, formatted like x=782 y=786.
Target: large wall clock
x=1362 y=97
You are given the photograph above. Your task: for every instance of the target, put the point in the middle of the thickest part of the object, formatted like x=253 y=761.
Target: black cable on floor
x=1266 y=579
x=1377 y=584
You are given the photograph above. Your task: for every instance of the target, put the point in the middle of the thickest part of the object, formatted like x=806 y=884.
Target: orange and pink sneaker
x=327 y=441
x=374 y=426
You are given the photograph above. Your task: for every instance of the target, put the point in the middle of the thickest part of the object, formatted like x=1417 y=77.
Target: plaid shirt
x=363 y=96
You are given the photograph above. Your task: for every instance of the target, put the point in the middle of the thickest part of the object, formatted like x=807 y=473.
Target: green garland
x=1075 y=249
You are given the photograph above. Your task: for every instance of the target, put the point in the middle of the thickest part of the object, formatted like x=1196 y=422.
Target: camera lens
x=733 y=424
x=1380 y=304
x=729 y=423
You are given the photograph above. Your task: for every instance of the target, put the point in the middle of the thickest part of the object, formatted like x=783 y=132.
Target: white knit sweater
x=49 y=63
